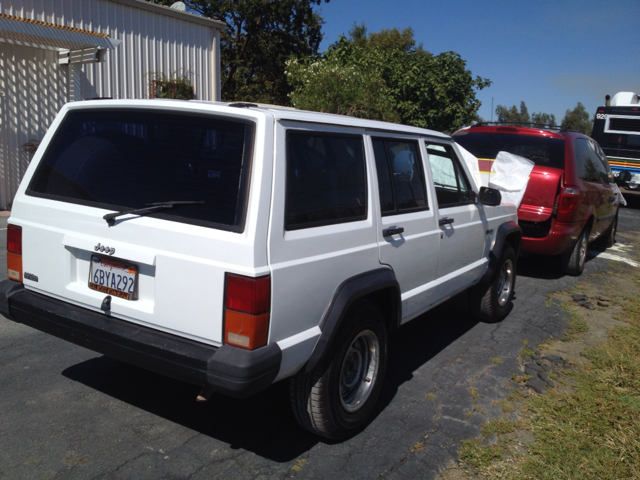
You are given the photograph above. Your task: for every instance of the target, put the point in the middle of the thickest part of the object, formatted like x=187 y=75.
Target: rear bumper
x=563 y=236
x=229 y=370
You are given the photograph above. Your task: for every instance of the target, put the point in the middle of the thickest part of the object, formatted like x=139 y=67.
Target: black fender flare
x=345 y=295
x=504 y=230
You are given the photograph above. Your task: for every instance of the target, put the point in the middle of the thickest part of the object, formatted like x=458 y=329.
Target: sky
x=549 y=54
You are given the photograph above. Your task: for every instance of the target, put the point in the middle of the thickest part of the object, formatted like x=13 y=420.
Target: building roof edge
x=163 y=10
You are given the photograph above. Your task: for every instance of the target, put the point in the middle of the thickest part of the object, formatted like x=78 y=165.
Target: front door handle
x=387 y=232
x=611 y=199
x=445 y=221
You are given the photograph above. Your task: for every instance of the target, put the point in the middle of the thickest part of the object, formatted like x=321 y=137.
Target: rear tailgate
x=540 y=195
x=106 y=160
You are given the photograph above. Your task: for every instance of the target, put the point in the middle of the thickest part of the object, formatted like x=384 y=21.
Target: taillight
x=569 y=199
x=246 y=315
x=14 y=252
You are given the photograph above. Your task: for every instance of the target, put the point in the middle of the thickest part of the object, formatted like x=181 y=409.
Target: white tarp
x=472 y=164
x=510 y=175
x=618 y=193
x=441 y=167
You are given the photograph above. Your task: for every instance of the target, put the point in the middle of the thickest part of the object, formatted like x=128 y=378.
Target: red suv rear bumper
x=561 y=238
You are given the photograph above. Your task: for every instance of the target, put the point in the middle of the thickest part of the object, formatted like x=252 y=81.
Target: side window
x=605 y=162
x=588 y=163
x=400 y=177
x=452 y=186
x=326 y=180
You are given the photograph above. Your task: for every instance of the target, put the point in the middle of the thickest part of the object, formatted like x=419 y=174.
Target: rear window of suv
x=127 y=159
x=543 y=151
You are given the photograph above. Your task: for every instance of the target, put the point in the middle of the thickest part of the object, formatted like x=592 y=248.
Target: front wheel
x=492 y=302
x=336 y=399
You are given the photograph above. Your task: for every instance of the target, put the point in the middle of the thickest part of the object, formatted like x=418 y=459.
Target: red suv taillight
x=14 y=252
x=246 y=315
x=569 y=199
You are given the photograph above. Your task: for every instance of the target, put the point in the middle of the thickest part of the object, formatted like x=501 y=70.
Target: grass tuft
x=525 y=351
x=480 y=456
x=498 y=426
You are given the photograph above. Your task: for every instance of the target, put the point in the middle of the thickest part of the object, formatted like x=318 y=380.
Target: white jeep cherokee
x=236 y=245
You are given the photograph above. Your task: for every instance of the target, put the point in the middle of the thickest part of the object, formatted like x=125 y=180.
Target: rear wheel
x=573 y=261
x=336 y=399
x=492 y=302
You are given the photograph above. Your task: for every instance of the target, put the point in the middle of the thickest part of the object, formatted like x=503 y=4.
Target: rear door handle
x=445 y=221
x=611 y=199
x=392 y=231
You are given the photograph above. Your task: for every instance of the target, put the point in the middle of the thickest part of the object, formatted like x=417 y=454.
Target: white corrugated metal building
x=53 y=52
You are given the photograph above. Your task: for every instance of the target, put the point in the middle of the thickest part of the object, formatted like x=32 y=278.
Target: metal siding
x=174 y=45
x=34 y=90
x=35 y=86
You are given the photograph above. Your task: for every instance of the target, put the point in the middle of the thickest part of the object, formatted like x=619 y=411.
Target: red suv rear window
x=543 y=151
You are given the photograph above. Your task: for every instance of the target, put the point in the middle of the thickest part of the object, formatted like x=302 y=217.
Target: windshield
x=128 y=159
x=543 y=151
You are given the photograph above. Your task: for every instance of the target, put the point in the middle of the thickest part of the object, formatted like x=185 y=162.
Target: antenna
x=180 y=6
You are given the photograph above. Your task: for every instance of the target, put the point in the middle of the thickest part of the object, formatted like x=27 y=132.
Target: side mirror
x=489 y=196
x=625 y=176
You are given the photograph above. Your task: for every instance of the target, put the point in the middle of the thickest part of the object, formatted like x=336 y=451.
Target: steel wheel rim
x=505 y=281
x=359 y=370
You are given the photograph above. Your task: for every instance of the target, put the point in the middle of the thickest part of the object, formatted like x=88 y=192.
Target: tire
x=572 y=262
x=336 y=399
x=492 y=302
x=608 y=238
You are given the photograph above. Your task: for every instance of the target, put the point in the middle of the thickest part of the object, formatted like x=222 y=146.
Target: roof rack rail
x=243 y=105
x=544 y=126
x=520 y=124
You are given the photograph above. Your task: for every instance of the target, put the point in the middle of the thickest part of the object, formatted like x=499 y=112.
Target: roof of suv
x=536 y=130
x=289 y=113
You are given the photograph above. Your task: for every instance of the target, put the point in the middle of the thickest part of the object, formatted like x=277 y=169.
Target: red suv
x=571 y=198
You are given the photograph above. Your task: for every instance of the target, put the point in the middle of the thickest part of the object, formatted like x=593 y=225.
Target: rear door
x=598 y=184
x=108 y=158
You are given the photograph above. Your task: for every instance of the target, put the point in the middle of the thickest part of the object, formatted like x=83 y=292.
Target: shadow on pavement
x=632 y=198
x=264 y=424
x=540 y=266
x=417 y=342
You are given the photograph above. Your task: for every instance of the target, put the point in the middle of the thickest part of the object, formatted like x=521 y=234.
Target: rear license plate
x=114 y=277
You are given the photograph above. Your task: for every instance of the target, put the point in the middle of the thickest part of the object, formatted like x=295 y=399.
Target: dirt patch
x=599 y=319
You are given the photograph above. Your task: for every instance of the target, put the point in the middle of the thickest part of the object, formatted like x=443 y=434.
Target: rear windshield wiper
x=151 y=207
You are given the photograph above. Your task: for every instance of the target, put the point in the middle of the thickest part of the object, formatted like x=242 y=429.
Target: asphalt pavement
x=69 y=413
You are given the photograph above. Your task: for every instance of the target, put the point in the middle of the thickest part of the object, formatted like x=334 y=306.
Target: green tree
x=512 y=115
x=410 y=84
x=387 y=39
x=258 y=38
x=544 y=118
x=578 y=120
x=330 y=86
